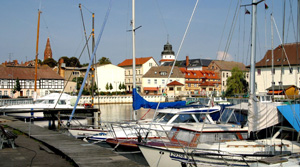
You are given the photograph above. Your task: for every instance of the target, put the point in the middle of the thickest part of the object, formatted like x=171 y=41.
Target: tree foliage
x=236 y=84
x=73 y=62
x=110 y=86
x=104 y=60
x=50 y=62
x=17 y=86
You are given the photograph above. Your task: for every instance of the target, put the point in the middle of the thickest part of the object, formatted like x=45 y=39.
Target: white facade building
x=142 y=66
x=286 y=69
x=109 y=74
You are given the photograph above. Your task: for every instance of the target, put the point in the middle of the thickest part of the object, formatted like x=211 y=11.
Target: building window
x=223 y=75
x=163 y=73
x=189 y=85
x=150 y=64
x=155 y=81
x=27 y=92
x=5 y=92
x=0 y=92
x=171 y=88
x=178 y=88
x=282 y=70
x=226 y=75
x=163 y=81
x=195 y=85
x=273 y=71
x=75 y=73
x=223 y=83
x=258 y=71
x=149 y=81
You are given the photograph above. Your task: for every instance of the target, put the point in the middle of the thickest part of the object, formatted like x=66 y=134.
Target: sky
x=161 y=21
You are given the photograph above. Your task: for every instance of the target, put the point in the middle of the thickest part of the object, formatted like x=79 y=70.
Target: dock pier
x=78 y=152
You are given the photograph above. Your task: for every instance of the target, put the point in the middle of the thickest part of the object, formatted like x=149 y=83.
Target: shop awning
x=275 y=92
x=151 y=88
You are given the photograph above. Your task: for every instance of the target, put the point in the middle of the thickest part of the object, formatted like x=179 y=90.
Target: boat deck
x=77 y=151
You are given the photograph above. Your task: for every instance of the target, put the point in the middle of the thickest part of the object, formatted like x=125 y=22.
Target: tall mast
x=273 y=83
x=253 y=48
x=36 y=54
x=133 y=45
x=93 y=68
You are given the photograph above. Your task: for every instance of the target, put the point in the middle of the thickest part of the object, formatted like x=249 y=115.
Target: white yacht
x=50 y=101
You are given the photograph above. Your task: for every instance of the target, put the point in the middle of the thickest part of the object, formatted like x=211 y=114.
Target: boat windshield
x=163 y=117
x=235 y=116
x=184 y=118
x=62 y=102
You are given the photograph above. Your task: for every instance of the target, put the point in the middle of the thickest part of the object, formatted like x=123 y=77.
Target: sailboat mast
x=273 y=83
x=133 y=45
x=93 y=68
x=253 y=48
x=36 y=54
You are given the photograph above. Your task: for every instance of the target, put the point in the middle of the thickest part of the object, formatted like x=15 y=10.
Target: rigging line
x=72 y=71
x=236 y=15
x=91 y=60
x=181 y=43
x=291 y=19
x=162 y=18
x=88 y=49
x=281 y=44
x=224 y=28
x=87 y=9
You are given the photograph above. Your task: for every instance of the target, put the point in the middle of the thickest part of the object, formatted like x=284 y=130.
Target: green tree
x=236 y=84
x=104 y=60
x=50 y=62
x=123 y=86
x=17 y=86
x=74 y=62
x=107 y=87
x=66 y=60
x=110 y=86
x=78 y=81
x=120 y=86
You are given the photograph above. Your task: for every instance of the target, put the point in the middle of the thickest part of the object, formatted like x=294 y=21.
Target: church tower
x=167 y=55
x=48 y=51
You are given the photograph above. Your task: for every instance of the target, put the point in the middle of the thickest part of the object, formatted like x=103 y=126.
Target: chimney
x=186 y=61
x=16 y=62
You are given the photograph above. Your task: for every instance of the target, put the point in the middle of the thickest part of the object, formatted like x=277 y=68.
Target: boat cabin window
x=62 y=102
x=215 y=137
x=233 y=116
x=181 y=135
x=50 y=101
x=162 y=117
x=39 y=102
x=184 y=118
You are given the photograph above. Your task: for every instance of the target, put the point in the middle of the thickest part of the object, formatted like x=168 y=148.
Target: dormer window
x=163 y=73
x=267 y=60
x=278 y=59
x=155 y=72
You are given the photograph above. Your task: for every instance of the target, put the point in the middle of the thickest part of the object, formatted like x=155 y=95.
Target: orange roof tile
x=174 y=83
x=138 y=61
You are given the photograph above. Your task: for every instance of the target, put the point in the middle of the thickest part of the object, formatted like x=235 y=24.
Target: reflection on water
x=121 y=112
x=109 y=113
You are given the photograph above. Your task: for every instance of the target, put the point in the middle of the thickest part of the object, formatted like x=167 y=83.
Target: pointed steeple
x=48 y=51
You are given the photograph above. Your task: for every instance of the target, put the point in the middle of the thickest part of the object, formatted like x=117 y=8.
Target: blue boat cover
x=292 y=114
x=139 y=101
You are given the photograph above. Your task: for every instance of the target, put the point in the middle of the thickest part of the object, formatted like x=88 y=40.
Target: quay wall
x=121 y=99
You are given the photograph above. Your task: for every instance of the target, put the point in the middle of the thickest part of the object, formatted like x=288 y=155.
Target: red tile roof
x=21 y=72
x=174 y=83
x=197 y=74
x=138 y=61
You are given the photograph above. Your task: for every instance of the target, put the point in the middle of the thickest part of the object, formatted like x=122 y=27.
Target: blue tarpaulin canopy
x=139 y=101
x=292 y=114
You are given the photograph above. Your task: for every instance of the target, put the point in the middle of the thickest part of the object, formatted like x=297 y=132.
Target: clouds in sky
x=221 y=55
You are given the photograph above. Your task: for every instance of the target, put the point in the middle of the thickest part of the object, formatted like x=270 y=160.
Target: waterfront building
x=47 y=80
x=191 y=64
x=156 y=79
x=201 y=82
x=223 y=69
x=167 y=55
x=109 y=74
x=142 y=66
x=286 y=69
